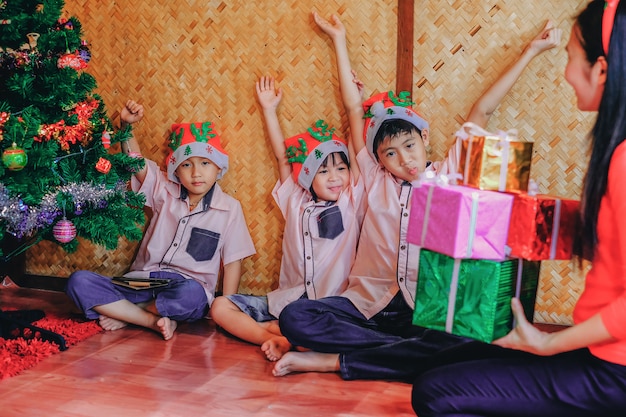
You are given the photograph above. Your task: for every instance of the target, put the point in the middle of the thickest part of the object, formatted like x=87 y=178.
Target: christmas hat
x=308 y=150
x=386 y=106
x=195 y=139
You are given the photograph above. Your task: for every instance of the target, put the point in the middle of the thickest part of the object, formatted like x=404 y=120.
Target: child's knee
x=218 y=305
x=220 y=308
x=79 y=281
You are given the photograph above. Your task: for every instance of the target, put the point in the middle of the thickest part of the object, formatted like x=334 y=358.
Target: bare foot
x=306 y=362
x=108 y=323
x=275 y=348
x=166 y=326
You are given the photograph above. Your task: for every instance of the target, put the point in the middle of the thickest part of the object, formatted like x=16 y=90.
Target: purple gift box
x=459 y=221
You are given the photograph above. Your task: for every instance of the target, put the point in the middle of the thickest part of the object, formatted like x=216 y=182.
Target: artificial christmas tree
x=56 y=140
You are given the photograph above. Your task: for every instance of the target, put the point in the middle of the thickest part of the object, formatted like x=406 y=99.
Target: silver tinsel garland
x=21 y=220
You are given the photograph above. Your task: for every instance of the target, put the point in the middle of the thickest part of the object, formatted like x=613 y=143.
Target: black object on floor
x=14 y=324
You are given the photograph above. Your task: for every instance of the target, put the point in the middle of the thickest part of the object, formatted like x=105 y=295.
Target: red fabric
x=605 y=284
x=22 y=353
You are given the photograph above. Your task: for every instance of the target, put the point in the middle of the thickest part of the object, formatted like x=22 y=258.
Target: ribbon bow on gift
x=442 y=180
x=472 y=129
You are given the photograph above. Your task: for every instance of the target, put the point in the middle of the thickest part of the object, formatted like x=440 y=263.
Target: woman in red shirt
x=580 y=371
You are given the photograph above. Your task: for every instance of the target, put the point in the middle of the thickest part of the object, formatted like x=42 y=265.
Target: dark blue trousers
x=335 y=325
x=182 y=300
x=514 y=384
x=387 y=346
x=405 y=359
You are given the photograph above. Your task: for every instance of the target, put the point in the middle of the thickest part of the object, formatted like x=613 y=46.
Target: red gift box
x=542 y=227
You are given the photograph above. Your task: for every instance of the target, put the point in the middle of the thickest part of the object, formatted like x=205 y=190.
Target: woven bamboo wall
x=198 y=60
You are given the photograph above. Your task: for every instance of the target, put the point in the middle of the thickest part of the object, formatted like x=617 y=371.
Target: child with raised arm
x=481 y=111
x=321 y=198
x=579 y=371
x=369 y=332
x=375 y=309
x=195 y=229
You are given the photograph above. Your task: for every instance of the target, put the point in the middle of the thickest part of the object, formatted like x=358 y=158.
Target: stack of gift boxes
x=482 y=241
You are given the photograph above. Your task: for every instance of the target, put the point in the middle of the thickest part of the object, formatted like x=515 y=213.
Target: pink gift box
x=459 y=221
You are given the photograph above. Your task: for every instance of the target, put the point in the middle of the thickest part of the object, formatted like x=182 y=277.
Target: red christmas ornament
x=64 y=231
x=103 y=165
x=106 y=139
x=71 y=60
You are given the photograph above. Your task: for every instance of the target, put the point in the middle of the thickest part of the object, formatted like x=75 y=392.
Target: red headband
x=610 y=7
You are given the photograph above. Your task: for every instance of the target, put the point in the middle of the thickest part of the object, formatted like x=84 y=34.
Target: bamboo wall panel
x=190 y=61
x=460 y=49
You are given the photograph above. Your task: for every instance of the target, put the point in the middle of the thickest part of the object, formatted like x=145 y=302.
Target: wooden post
x=404 y=58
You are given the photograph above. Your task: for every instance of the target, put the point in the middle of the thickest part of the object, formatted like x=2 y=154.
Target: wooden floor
x=200 y=372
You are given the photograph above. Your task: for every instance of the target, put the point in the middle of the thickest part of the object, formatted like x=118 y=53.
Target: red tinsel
x=22 y=353
x=69 y=135
x=85 y=109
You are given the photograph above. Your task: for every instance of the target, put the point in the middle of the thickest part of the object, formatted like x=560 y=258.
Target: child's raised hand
x=269 y=97
x=131 y=112
x=548 y=38
x=333 y=28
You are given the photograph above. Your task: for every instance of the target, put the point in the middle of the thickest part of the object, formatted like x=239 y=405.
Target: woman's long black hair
x=609 y=130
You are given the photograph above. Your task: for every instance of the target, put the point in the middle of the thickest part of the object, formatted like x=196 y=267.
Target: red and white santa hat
x=309 y=149
x=387 y=106
x=195 y=139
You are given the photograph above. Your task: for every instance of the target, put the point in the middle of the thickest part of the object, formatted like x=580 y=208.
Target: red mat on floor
x=24 y=352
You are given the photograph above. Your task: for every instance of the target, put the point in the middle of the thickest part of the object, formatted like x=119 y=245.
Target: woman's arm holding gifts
x=528 y=338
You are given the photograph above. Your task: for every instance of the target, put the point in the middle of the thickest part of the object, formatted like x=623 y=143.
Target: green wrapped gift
x=472 y=297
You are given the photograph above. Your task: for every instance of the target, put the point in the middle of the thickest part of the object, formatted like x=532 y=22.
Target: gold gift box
x=497 y=163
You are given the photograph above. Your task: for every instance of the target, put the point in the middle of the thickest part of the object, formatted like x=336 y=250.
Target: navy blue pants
x=512 y=384
x=335 y=325
x=387 y=346
x=405 y=359
x=182 y=300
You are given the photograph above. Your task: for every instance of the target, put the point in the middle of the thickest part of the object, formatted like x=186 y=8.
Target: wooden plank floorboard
x=200 y=372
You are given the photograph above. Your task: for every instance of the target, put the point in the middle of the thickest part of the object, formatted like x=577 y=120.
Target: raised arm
x=483 y=108
x=348 y=84
x=269 y=97
x=132 y=112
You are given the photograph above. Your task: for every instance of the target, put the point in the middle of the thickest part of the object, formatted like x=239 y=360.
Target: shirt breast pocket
x=202 y=244
x=330 y=223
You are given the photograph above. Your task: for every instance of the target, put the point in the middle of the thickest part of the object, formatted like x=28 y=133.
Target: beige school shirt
x=385 y=262
x=319 y=243
x=193 y=244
